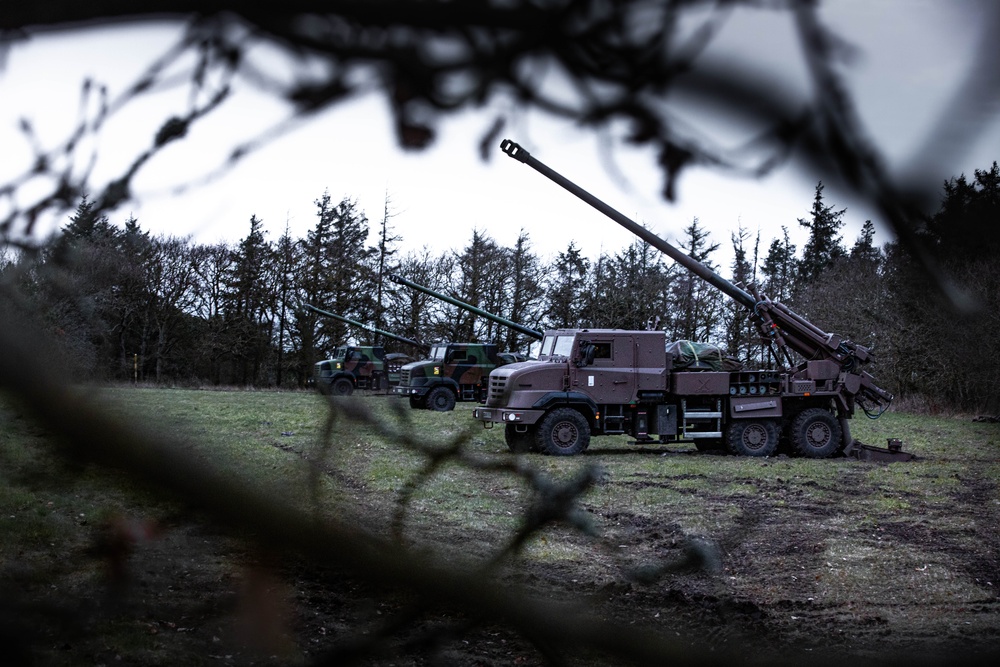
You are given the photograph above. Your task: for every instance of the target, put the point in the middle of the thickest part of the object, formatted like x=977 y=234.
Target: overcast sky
x=913 y=54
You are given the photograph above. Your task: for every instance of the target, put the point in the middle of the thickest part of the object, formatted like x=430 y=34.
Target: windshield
x=547 y=344
x=338 y=353
x=563 y=346
x=557 y=346
x=437 y=352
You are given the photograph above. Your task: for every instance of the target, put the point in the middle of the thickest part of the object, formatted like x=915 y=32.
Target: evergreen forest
x=129 y=306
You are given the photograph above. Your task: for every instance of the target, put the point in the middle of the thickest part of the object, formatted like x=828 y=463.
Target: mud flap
x=894 y=452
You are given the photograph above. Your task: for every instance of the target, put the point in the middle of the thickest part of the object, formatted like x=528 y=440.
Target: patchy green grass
x=820 y=547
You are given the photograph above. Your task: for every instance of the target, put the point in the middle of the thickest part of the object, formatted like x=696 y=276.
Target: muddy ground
x=769 y=587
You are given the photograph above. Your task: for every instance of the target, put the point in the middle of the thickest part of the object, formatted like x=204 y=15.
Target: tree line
x=127 y=305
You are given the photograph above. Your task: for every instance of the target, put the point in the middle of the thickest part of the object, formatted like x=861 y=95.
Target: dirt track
x=777 y=560
x=793 y=578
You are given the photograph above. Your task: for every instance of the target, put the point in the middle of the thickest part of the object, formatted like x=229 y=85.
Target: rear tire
x=441 y=399
x=342 y=387
x=816 y=433
x=753 y=437
x=563 y=432
x=519 y=442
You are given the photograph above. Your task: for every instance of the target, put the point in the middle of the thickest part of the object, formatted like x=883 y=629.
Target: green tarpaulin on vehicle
x=692 y=355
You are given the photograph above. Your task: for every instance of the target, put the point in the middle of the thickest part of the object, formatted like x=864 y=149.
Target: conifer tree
x=823 y=247
x=524 y=292
x=287 y=265
x=967 y=226
x=564 y=289
x=250 y=303
x=695 y=305
x=480 y=276
x=383 y=263
x=741 y=338
x=316 y=335
x=780 y=268
x=350 y=266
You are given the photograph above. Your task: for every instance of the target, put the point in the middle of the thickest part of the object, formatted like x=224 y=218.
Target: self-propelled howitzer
x=361 y=366
x=455 y=371
x=808 y=401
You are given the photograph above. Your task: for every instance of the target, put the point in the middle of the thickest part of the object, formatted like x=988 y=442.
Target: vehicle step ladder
x=701 y=422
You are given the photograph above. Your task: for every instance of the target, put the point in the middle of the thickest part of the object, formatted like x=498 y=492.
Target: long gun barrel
x=527 y=331
x=515 y=151
x=778 y=325
x=417 y=344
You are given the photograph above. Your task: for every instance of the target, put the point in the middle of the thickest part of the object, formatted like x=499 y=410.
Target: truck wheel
x=417 y=403
x=563 y=432
x=747 y=437
x=441 y=399
x=342 y=387
x=816 y=433
x=519 y=442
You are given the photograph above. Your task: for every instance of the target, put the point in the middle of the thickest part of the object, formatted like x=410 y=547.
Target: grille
x=404 y=377
x=498 y=383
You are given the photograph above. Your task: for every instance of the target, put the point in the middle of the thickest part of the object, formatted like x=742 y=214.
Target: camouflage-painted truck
x=614 y=382
x=454 y=371
x=361 y=366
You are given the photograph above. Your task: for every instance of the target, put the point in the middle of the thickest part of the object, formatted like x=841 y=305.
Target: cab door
x=604 y=368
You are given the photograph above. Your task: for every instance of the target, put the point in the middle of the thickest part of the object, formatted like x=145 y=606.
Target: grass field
x=785 y=554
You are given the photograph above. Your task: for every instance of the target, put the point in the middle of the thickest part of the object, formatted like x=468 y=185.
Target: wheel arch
x=344 y=375
x=579 y=401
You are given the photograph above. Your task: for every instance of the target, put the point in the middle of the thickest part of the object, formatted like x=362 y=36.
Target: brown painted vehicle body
x=604 y=382
x=615 y=382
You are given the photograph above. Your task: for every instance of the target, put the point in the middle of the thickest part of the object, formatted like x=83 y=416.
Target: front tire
x=519 y=442
x=816 y=433
x=563 y=432
x=441 y=399
x=748 y=437
x=342 y=387
x=417 y=403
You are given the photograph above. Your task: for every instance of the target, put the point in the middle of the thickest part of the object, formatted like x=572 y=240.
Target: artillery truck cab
x=614 y=382
x=452 y=372
x=359 y=367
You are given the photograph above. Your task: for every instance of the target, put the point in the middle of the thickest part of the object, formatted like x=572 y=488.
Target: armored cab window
x=591 y=351
x=457 y=355
x=547 y=343
x=602 y=350
x=563 y=346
